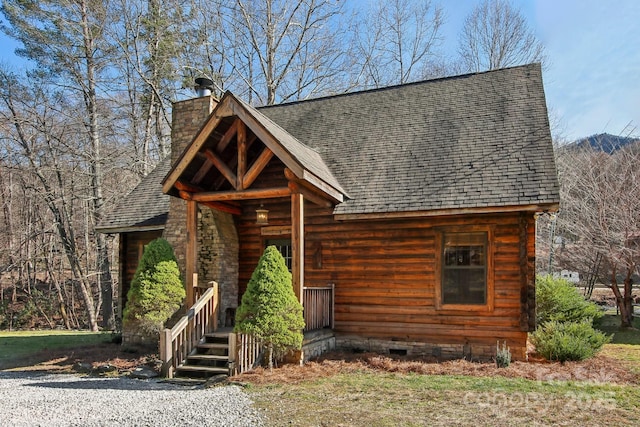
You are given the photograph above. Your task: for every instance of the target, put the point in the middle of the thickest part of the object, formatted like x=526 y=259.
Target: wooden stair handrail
x=178 y=342
x=202 y=301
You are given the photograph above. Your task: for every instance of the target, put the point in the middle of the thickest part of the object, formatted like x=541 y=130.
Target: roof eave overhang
x=129 y=229
x=533 y=208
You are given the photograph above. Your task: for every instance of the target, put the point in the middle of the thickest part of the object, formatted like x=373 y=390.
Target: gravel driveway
x=28 y=399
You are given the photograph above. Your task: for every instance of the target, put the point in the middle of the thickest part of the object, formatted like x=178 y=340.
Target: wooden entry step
x=209 y=358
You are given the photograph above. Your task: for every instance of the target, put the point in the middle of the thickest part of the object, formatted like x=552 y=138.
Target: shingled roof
x=472 y=141
x=460 y=143
x=145 y=208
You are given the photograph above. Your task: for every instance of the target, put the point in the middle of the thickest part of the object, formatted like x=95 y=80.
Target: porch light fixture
x=262 y=215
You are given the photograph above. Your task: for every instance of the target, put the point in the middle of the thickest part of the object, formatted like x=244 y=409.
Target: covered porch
x=242 y=164
x=198 y=346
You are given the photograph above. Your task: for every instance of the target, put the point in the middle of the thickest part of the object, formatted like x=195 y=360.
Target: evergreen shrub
x=269 y=309
x=564 y=341
x=565 y=322
x=559 y=300
x=156 y=291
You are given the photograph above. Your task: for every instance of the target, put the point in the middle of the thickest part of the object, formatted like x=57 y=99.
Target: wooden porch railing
x=245 y=353
x=319 y=303
x=178 y=342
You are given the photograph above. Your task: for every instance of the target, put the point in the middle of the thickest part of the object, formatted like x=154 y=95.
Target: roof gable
x=305 y=163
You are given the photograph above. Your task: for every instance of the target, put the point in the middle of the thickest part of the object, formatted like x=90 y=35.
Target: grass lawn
x=610 y=323
x=625 y=344
x=593 y=396
x=387 y=392
x=391 y=399
x=24 y=348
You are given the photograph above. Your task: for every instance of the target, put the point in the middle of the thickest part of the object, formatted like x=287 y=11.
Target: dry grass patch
x=58 y=351
x=373 y=390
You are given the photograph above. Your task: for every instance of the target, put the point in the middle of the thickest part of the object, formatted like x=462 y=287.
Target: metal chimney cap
x=204 y=86
x=204 y=82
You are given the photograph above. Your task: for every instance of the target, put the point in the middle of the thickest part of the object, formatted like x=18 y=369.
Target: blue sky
x=592 y=79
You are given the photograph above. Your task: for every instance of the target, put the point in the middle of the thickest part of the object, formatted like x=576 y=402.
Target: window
x=464 y=270
x=284 y=247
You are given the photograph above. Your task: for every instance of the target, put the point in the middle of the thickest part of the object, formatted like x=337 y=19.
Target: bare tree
x=39 y=142
x=599 y=217
x=285 y=49
x=396 y=42
x=496 y=35
x=147 y=44
x=66 y=41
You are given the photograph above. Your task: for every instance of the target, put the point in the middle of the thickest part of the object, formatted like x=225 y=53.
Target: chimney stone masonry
x=217 y=236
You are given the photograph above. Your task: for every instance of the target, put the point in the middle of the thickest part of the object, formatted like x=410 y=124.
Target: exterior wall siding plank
x=383 y=272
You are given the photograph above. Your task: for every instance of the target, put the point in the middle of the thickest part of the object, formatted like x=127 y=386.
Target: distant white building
x=570 y=276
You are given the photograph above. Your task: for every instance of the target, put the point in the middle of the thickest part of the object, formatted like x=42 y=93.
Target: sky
x=592 y=77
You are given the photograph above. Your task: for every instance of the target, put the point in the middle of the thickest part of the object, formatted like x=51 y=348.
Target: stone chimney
x=187 y=118
x=217 y=236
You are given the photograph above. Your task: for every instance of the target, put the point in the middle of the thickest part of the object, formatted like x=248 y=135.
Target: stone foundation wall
x=132 y=336
x=318 y=346
x=478 y=352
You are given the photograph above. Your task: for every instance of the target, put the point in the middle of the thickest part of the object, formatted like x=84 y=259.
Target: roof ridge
x=397 y=86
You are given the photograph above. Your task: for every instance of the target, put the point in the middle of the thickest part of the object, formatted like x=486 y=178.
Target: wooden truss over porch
x=239 y=155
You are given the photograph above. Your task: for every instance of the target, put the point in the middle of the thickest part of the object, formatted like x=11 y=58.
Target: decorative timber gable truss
x=234 y=146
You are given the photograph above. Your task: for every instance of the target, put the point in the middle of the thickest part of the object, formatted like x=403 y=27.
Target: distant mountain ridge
x=606 y=142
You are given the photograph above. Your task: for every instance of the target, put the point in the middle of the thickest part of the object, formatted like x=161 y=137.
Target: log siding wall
x=384 y=275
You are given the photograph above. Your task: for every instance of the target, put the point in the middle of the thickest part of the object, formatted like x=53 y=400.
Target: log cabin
x=406 y=214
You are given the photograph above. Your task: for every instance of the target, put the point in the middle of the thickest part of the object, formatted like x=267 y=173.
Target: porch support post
x=297 y=243
x=192 y=241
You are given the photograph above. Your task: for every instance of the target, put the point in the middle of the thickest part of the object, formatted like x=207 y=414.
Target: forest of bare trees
x=598 y=227
x=90 y=114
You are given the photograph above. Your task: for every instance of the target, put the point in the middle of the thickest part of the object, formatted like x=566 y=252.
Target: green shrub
x=564 y=341
x=270 y=309
x=156 y=291
x=565 y=322
x=559 y=300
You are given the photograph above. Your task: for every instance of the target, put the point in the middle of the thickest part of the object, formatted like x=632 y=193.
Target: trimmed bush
x=564 y=341
x=156 y=291
x=270 y=309
x=559 y=300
